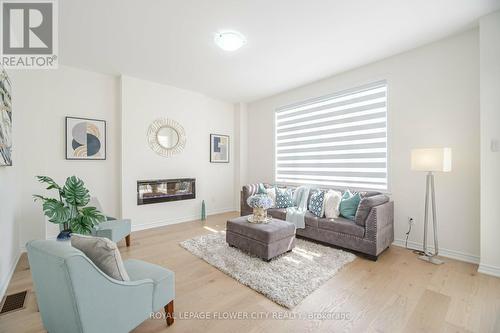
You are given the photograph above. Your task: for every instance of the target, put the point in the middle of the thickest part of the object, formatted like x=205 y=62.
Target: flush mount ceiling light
x=230 y=40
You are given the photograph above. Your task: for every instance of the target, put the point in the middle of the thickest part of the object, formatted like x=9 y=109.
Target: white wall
x=41 y=100
x=490 y=130
x=9 y=239
x=142 y=103
x=433 y=100
x=240 y=150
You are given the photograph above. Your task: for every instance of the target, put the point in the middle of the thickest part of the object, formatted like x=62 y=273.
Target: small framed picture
x=85 y=139
x=219 y=148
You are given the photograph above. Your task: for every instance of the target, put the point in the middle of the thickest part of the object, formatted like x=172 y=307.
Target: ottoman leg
x=127 y=240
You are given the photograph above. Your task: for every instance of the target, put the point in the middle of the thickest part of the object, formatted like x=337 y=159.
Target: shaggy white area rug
x=286 y=280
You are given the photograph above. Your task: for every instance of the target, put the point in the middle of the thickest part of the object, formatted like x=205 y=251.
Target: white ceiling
x=290 y=42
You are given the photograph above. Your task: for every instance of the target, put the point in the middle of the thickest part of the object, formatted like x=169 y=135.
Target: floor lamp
x=431 y=160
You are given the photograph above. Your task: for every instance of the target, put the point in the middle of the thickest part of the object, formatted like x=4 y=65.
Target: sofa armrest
x=366 y=205
x=245 y=209
x=380 y=225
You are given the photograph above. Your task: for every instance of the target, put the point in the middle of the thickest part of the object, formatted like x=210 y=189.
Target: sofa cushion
x=277 y=213
x=163 y=279
x=311 y=220
x=366 y=205
x=342 y=225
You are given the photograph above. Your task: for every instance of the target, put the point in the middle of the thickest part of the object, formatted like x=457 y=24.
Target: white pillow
x=331 y=204
x=271 y=192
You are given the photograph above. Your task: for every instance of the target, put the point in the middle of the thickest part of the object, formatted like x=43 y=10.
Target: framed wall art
x=219 y=148
x=5 y=119
x=85 y=139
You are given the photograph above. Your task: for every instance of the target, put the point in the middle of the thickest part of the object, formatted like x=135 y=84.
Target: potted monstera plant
x=69 y=209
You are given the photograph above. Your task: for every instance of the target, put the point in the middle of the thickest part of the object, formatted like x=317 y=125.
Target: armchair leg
x=169 y=313
x=127 y=240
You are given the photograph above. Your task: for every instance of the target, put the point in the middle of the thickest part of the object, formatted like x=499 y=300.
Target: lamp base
x=432 y=260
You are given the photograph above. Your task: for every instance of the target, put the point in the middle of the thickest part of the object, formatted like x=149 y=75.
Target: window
x=334 y=141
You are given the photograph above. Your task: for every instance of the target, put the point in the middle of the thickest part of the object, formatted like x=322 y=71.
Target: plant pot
x=64 y=235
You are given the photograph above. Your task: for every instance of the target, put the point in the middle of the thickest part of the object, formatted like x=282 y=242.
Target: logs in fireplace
x=163 y=190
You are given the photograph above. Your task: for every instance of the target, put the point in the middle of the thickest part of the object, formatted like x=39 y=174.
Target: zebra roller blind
x=334 y=141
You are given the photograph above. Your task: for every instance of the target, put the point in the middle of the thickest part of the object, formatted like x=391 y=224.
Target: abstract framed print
x=85 y=139
x=219 y=148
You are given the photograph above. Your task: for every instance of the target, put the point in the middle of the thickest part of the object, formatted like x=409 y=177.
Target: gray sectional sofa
x=371 y=232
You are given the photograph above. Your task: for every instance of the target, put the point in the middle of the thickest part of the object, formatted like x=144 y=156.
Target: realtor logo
x=29 y=34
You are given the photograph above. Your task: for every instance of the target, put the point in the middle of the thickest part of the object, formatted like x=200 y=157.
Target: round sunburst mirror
x=166 y=137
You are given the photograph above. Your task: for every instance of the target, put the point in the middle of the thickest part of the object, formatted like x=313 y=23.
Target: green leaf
x=75 y=193
x=47 y=180
x=93 y=214
x=55 y=210
x=80 y=225
x=88 y=218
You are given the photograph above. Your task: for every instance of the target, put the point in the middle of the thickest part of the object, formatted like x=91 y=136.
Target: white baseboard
x=489 y=269
x=4 y=284
x=452 y=254
x=176 y=220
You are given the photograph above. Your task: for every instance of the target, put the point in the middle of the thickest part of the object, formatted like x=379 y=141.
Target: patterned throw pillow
x=316 y=203
x=349 y=205
x=283 y=198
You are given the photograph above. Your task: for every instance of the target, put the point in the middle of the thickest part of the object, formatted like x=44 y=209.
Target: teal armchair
x=113 y=229
x=74 y=295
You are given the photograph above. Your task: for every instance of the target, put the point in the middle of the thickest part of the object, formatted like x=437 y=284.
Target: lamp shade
x=431 y=159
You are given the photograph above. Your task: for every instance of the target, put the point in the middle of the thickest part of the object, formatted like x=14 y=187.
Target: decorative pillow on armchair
x=316 y=203
x=349 y=205
x=103 y=253
x=283 y=198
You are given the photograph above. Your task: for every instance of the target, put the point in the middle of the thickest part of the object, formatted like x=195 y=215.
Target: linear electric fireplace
x=162 y=190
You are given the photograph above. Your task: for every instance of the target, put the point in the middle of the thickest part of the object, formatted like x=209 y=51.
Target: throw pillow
x=316 y=203
x=349 y=205
x=262 y=189
x=103 y=253
x=332 y=203
x=271 y=193
x=283 y=198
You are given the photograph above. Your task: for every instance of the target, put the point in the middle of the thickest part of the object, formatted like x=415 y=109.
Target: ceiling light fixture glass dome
x=229 y=40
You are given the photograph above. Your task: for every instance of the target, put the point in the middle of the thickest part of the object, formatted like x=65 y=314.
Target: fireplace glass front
x=162 y=190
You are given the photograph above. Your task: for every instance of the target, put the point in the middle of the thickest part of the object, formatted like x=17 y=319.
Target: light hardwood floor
x=398 y=293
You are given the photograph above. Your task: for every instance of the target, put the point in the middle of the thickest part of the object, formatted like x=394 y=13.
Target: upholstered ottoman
x=265 y=241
